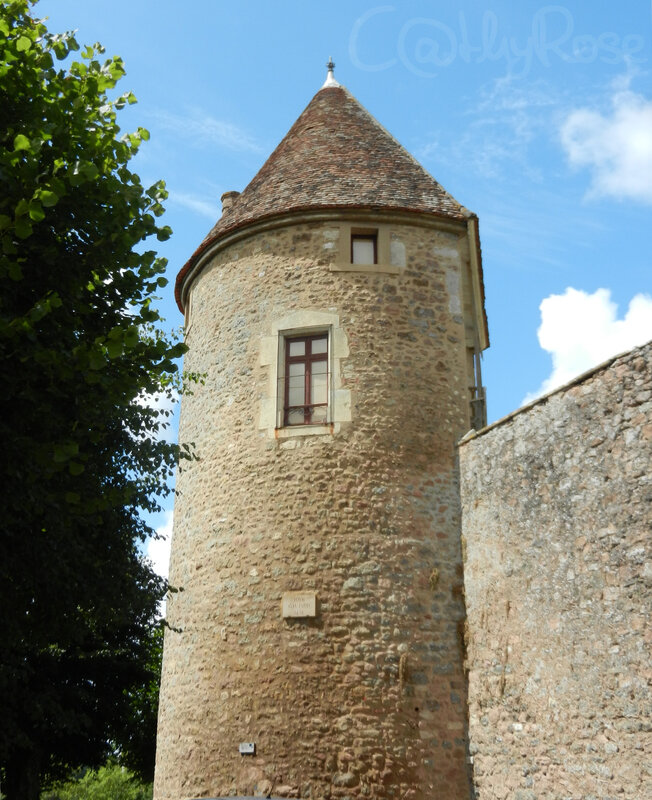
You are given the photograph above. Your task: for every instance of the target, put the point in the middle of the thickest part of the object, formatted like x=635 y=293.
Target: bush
x=111 y=782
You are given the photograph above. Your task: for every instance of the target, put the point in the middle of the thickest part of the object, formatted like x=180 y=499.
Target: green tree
x=136 y=745
x=82 y=455
x=110 y=782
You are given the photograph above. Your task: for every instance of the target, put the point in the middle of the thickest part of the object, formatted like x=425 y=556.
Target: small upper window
x=306 y=380
x=364 y=248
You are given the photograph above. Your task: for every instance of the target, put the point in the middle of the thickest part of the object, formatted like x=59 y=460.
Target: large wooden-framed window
x=364 y=248
x=330 y=408
x=306 y=380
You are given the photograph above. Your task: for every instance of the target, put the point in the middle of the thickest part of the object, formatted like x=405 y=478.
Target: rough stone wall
x=557 y=515
x=367 y=699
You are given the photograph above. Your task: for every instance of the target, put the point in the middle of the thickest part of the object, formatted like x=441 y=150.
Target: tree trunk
x=22 y=776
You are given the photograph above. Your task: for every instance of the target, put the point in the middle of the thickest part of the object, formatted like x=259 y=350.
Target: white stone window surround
x=390 y=250
x=272 y=356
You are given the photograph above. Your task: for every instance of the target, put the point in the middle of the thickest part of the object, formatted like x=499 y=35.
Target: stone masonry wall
x=557 y=516
x=367 y=699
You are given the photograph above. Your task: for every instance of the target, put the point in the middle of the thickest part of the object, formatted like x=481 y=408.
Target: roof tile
x=337 y=154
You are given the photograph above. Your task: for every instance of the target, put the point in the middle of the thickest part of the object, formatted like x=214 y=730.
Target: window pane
x=297 y=348
x=296 y=384
x=296 y=396
x=319 y=346
x=363 y=251
x=319 y=388
x=295 y=417
x=319 y=415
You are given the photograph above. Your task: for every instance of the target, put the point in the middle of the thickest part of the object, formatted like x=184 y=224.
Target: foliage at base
x=111 y=782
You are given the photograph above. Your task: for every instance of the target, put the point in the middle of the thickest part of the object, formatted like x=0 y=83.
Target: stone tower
x=336 y=310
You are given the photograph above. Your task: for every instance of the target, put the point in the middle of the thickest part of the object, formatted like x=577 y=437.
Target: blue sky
x=537 y=117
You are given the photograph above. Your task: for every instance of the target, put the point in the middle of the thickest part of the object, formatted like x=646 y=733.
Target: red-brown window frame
x=308 y=359
x=367 y=237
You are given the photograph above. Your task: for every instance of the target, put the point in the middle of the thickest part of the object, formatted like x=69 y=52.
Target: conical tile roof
x=336 y=155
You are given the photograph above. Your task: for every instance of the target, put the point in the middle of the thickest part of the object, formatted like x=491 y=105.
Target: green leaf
x=72 y=498
x=21 y=142
x=64 y=451
x=116 y=334
x=23 y=228
x=60 y=50
x=57 y=186
x=47 y=197
x=96 y=360
x=9 y=249
x=75 y=468
x=23 y=43
x=36 y=212
x=15 y=272
x=131 y=337
x=114 y=348
x=89 y=170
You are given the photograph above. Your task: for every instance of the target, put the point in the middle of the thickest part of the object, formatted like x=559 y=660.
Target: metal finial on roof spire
x=330 y=80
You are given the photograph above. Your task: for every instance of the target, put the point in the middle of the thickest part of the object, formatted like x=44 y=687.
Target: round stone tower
x=336 y=311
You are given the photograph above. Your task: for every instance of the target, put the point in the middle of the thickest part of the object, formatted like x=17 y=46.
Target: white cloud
x=616 y=147
x=581 y=330
x=508 y=94
x=202 y=130
x=200 y=205
x=501 y=129
x=158 y=550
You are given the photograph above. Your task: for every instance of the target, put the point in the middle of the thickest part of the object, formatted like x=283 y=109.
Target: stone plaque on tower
x=299 y=604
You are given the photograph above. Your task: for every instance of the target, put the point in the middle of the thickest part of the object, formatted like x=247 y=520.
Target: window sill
x=306 y=430
x=390 y=269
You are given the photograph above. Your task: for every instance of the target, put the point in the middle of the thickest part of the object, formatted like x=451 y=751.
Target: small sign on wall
x=247 y=748
x=298 y=604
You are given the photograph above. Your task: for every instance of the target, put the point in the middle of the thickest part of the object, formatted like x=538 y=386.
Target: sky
x=537 y=117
